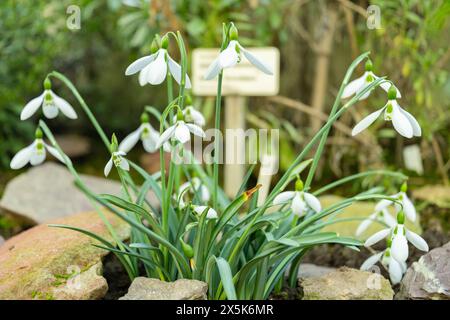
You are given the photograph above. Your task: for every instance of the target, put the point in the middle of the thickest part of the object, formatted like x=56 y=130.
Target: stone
x=347 y=284
x=53 y=263
x=359 y=209
x=47 y=192
x=154 y=289
x=2 y=241
x=309 y=270
x=428 y=278
x=74 y=145
x=438 y=195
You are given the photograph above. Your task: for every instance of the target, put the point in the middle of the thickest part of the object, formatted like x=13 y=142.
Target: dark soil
x=116 y=276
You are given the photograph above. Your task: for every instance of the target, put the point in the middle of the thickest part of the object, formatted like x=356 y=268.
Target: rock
x=438 y=195
x=358 y=209
x=53 y=263
x=74 y=145
x=2 y=241
x=154 y=289
x=47 y=192
x=309 y=270
x=347 y=284
x=428 y=278
x=151 y=162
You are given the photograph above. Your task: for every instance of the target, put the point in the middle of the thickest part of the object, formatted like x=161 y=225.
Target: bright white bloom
x=194 y=186
x=51 y=105
x=379 y=215
x=145 y=133
x=300 y=201
x=230 y=57
x=180 y=131
x=404 y=123
x=396 y=269
x=119 y=161
x=211 y=213
x=153 y=68
x=408 y=206
x=192 y=115
x=358 y=85
x=34 y=154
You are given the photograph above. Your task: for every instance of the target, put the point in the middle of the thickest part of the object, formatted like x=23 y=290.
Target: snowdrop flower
x=408 y=207
x=396 y=269
x=51 y=105
x=117 y=157
x=380 y=215
x=191 y=114
x=232 y=55
x=211 y=213
x=180 y=131
x=404 y=123
x=400 y=237
x=153 y=68
x=358 y=85
x=300 y=200
x=196 y=186
x=145 y=133
x=35 y=153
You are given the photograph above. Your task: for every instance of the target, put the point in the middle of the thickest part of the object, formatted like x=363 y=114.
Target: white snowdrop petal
x=363 y=226
x=175 y=70
x=37 y=157
x=408 y=208
x=124 y=165
x=395 y=271
x=383 y=204
x=143 y=76
x=401 y=123
x=64 y=106
x=371 y=261
x=417 y=241
x=195 y=116
x=196 y=130
x=256 y=62
x=50 y=110
x=205 y=193
x=284 y=197
x=312 y=202
x=298 y=206
x=139 y=64
x=366 y=122
x=399 y=248
x=31 y=107
x=229 y=57
x=22 y=157
x=353 y=86
x=213 y=70
x=390 y=220
x=182 y=133
x=165 y=136
x=377 y=237
x=157 y=69
x=417 y=131
x=108 y=167
x=54 y=152
x=130 y=141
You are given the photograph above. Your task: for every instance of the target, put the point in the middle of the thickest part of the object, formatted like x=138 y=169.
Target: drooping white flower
x=117 y=158
x=51 y=105
x=358 y=85
x=232 y=55
x=193 y=115
x=404 y=123
x=195 y=186
x=210 y=214
x=400 y=237
x=153 y=68
x=300 y=201
x=379 y=215
x=406 y=203
x=396 y=269
x=34 y=154
x=180 y=131
x=146 y=133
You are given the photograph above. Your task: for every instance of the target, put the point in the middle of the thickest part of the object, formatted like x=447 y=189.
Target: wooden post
x=234 y=119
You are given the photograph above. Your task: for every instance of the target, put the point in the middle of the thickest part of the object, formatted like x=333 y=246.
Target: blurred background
x=317 y=40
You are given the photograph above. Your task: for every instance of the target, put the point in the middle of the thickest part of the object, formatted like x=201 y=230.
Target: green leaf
x=227 y=278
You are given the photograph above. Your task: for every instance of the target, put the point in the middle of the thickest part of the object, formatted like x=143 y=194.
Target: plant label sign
x=242 y=80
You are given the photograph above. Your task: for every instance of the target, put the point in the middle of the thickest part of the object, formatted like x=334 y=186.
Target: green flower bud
x=38 y=133
x=299 y=185
x=188 y=100
x=144 y=117
x=392 y=93
x=404 y=187
x=369 y=65
x=155 y=46
x=114 y=143
x=165 y=42
x=401 y=217
x=47 y=84
x=233 y=33
x=187 y=249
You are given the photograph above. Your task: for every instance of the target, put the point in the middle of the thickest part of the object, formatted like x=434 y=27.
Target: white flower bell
x=146 y=133
x=153 y=68
x=191 y=114
x=408 y=206
x=180 y=131
x=358 y=85
x=35 y=153
x=404 y=123
x=210 y=214
x=196 y=186
x=379 y=215
x=117 y=158
x=51 y=105
x=299 y=200
x=232 y=55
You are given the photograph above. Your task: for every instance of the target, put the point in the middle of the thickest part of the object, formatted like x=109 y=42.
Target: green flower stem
x=216 y=140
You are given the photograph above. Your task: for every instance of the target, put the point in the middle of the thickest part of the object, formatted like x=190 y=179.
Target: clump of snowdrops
x=238 y=247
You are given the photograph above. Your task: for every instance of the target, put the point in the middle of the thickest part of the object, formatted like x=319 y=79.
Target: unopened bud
x=155 y=46
x=165 y=42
